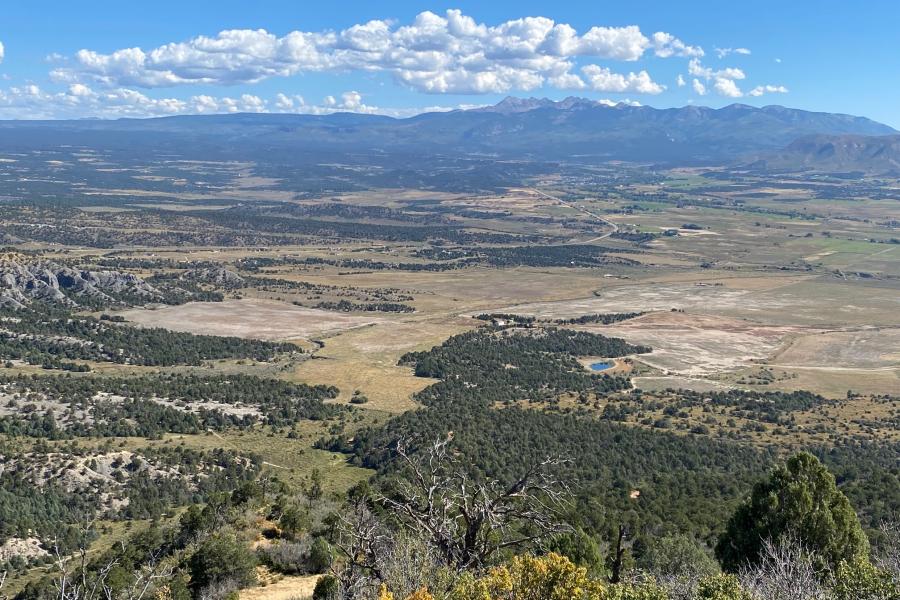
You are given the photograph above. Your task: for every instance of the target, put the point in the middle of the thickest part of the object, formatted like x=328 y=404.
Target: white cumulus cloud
x=767 y=89
x=601 y=79
x=666 y=45
x=626 y=102
x=723 y=52
x=435 y=53
x=727 y=87
x=724 y=81
x=80 y=100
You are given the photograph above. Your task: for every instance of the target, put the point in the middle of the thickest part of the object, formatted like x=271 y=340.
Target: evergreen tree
x=222 y=558
x=800 y=500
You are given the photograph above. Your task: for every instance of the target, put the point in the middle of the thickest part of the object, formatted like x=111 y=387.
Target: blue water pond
x=601 y=366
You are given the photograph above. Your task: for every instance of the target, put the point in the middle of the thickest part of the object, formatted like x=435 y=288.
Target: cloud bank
x=30 y=101
x=449 y=53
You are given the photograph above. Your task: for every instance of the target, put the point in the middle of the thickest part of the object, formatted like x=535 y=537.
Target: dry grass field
x=365 y=359
x=248 y=318
x=775 y=299
x=868 y=348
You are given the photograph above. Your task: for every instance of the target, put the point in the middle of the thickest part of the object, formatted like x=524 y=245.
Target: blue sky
x=110 y=59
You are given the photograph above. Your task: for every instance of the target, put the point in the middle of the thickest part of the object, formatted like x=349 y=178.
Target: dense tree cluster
x=652 y=481
x=151 y=405
x=602 y=319
x=546 y=255
x=273 y=220
x=197 y=476
x=47 y=512
x=568 y=255
x=380 y=265
x=635 y=237
x=348 y=306
x=40 y=336
x=487 y=365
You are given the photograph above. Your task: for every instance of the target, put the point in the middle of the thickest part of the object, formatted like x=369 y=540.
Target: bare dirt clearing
x=864 y=349
x=787 y=301
x=661 y=297
x=698 y=345
x=654 y=384
x=248 y=318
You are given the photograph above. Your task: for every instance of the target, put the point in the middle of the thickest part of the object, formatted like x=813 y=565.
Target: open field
x=655 y=384
x=866 y=348
x=476 y=289
x=292 y=460
x=829 y=381
x=695 y=345
x=774 y=300
x=249 y=318
x=730 y=322
x=365 y=359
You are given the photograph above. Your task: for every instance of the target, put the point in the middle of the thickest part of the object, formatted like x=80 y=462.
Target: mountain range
x=574 y=129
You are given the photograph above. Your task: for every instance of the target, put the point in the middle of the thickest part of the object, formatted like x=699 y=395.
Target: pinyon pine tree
x=799 y=502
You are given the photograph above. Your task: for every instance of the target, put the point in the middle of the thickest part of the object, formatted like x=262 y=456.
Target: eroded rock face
x=20 y=283
x=220 y=276
x=27 y=548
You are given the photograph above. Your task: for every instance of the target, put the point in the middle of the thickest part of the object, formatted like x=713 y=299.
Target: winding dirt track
x=581 y=209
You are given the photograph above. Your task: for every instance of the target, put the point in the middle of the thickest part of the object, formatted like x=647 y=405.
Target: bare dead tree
x=887 y=556
x=784 y=572
x=154 y=570
x=468 y=521
x=362 y=540
x=76 y=579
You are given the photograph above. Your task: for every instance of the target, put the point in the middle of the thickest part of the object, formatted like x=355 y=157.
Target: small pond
x=602 y=366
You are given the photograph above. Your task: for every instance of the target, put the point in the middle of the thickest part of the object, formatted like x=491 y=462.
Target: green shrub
x=221 y=558
x=326 y=588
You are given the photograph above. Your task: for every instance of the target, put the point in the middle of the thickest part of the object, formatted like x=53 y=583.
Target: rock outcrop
x=23 y=282
x=221 y=277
